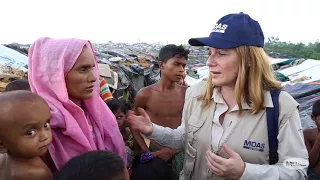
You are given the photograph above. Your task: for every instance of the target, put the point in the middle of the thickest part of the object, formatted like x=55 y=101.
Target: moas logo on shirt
x=252 y=145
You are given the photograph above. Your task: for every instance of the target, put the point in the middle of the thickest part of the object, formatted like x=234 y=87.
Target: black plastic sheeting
x=135 y=76
x=142 y=77
x=305 y=95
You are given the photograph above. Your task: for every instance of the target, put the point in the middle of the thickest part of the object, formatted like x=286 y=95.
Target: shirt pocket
x=190 y=159
x=197 y=120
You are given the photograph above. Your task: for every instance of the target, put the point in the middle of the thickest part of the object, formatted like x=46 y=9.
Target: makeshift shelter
x=13 y=66
x=305 y=94
x=303 y=85
x=13 y=59
x=307 y=71
x=128 y=76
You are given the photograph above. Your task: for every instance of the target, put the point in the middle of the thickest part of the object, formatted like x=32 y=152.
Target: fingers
x=212 y=167
x=216 y=158
x=130 y=113
x=141 y=123
x=216 y=162
x=230 y=152
x=142 y=112
x=131 y=121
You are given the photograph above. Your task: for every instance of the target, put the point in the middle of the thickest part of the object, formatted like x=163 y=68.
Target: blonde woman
x=224 y=129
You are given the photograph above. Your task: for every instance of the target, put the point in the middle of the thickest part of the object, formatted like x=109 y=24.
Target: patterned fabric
x=129 y=150
x=129 y=142
x=130 y=156
x=145 y=157
x=177 y=164
x=105 y=92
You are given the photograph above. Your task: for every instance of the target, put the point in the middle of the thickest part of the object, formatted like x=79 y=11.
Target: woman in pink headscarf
x=64 y=72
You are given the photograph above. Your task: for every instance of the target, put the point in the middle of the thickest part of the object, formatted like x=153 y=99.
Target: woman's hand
x=231 y=168
x=140 y=123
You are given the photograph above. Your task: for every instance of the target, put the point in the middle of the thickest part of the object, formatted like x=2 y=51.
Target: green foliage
x=279 y=49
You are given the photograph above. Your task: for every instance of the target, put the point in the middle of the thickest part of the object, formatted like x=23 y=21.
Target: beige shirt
x=201 y=130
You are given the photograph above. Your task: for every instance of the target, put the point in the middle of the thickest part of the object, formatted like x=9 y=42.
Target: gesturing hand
x=231 y=168
x=140 y=123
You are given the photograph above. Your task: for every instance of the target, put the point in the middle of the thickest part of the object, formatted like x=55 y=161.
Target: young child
x=25 y=135
x=119 y=109
x=94 y=165
x=312 y=141
x=17 y=85
x=142 y=164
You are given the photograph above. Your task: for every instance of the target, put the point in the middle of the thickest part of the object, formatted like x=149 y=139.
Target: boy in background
x=164 y=100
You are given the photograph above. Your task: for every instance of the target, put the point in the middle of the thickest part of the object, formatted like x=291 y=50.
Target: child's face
x=120 y=116
x=316 y=120
x=28 y=133
x=174 y=68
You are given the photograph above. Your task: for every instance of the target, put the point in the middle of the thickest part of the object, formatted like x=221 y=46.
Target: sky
x=152 y=21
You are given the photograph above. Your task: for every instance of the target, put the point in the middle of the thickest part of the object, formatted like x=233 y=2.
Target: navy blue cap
x=231 y=31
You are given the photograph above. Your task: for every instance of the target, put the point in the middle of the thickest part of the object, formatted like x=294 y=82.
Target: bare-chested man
x=25 y=135
x=164 y=100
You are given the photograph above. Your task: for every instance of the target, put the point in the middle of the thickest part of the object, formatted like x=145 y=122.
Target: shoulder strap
x=273 y=127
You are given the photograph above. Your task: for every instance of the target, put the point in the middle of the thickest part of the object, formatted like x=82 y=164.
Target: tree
x=276 y=48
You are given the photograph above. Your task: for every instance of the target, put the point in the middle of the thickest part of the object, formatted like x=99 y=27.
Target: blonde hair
x=254 y=77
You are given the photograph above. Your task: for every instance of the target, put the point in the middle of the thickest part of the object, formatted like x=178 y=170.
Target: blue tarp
x=305 y=95
x=12 y=58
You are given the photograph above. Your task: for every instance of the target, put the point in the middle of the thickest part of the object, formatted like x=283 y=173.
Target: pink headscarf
x=49 y=62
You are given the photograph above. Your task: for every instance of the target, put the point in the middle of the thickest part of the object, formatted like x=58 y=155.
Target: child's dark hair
x=94 y=165
x=17 y=85
x=316 y=108
x=115 y=104
x=171 y=50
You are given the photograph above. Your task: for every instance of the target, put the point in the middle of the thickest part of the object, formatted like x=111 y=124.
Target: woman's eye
x=47 y=126
x=221 y=54
x=31 y=133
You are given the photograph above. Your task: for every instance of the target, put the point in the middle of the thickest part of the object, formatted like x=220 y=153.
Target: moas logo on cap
x=296 y=163
x=220 y=28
